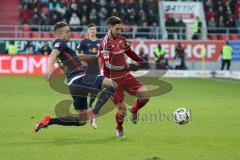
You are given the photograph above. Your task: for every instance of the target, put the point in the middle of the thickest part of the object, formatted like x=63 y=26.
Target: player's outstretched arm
x=130 y=53
x=51 y=61
x=87 y=58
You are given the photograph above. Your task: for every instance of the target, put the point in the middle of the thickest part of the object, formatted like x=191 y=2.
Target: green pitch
x=213 y=133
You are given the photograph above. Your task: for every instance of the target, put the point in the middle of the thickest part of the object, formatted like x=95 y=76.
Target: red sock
x=119 y=121
x=137 y=106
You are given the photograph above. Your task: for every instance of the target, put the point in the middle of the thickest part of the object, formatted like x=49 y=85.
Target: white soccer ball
x=181 y=116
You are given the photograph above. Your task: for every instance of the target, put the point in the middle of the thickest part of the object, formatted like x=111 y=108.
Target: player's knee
x=111 y=89
x=114 y=84
x=144 y=99
x=122 y=109
x=77 y=105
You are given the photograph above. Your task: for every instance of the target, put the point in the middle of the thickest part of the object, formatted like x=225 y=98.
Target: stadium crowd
x=82 y=12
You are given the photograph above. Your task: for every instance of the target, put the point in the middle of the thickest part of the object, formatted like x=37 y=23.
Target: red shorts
x=129 y=84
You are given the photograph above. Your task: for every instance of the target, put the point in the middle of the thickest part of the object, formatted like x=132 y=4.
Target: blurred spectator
x=93 y=16
x=45 y=49
x=145 y=58
x=29 y=48
x=210 y=14
x=230 y=24
x=154 y=31
x=237 y=7
x=143 y=31
x=143 y=55
x=181 y=31
x=197 y=29
x=171 y=27
x=180 y=57
x=25 y=14
x=12 y=48
x=52 y=11
x=221 y=11
x=160 y=56
x=221 y=24
x=151 y=17
x=84 y=20
x=226 y=56
x=212 y=24
x=238 y=24
x=74 y=22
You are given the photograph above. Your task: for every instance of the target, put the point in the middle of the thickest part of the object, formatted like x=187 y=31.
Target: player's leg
x=143 y=97
x=228 y=64
x=118 y=100
x=108 y=88
x=91 y=100
x=223 y=64
x=136 y=88
x=80 y=105
x=80 y=119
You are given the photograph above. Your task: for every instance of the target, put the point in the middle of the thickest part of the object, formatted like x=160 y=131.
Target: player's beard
x=114 y=35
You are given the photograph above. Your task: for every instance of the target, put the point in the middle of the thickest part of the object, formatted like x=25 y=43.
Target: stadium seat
x=46 y=35
x=36 y=35
x=223 y=37
x=82 y=36
x=76 y=35
x=212 y=37
x=26 y=35
x=26 y=27
x=52 y=35
x=233 y=37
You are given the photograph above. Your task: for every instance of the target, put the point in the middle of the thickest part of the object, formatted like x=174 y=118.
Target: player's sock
x=103 y=98
x=92 y=98
x=65 y=121
x=137 y=106
x=119 y=121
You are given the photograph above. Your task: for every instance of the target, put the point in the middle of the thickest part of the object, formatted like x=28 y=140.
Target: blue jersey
x=67 y=59
x=90 y=47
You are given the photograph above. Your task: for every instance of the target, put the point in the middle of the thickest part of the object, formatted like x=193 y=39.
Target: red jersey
x=113 y=54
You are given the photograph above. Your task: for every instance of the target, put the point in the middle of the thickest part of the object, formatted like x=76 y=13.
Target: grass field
x=213 y=133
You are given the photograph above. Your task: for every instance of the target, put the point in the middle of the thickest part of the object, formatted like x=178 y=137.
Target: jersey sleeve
x=59 y=45
x=130 y=53
x=100 y=59
x=80 y=46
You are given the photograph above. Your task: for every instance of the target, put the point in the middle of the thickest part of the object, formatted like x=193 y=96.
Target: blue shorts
x=80 y=86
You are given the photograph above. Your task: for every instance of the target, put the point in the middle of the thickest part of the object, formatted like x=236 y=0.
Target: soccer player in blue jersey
x=89 y=46
x=70 y=63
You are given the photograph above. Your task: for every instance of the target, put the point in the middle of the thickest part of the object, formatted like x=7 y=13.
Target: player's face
x=66 y=33
x=116 y=30
x=92 y=31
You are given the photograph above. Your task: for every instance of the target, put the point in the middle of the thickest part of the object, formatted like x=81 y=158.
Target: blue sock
x=92 y=99
x=103 y=98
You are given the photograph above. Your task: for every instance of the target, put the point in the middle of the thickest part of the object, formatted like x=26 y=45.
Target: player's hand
x=47 y=75
x=132 y=67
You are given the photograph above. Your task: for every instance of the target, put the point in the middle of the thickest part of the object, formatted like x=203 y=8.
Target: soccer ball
x=181 y=116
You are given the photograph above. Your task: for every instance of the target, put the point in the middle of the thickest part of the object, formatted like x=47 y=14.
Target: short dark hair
x=59 y=25
x=91 y=25
x=113 y=20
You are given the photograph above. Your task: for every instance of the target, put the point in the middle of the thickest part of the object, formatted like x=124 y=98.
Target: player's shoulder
x=104 y=40
x=98 y=41
x=84 y=40
x=121 y=37
x=59 y=43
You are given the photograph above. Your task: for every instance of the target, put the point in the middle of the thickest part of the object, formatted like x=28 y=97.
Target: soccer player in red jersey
x=112 y=52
